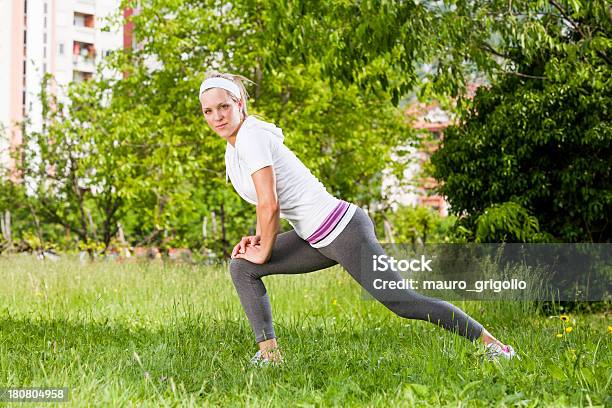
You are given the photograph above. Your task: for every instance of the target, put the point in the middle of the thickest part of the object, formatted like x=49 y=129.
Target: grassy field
x=175 y=335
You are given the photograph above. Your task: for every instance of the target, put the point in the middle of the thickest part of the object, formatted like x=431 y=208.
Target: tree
x=342 y=134
x=541 y=138
x=73 y=171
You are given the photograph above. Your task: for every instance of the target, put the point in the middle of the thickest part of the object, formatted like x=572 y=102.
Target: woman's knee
x=240 y=269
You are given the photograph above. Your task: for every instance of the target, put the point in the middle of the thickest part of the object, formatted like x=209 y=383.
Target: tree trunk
x=223 y=237
x=204 y=227
x=7 y=226
x=38 y=229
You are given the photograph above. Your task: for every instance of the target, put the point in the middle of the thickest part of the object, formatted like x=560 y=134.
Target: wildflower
x=559 y=335
x=564 y=318
x=334 y=302
x=568 y=329
x=609 y=329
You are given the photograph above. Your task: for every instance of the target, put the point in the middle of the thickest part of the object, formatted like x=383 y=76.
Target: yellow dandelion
x=559 y=335
x=564 y=318
x=568 y=329
x=609 y=329
x=334 y=302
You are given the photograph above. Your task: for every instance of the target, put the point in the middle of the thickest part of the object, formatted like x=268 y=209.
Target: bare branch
x=519 y=74
x=568 y=18
x=489 y=48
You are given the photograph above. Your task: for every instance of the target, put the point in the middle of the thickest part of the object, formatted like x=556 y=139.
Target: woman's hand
x=241 y=247
x=254 y=254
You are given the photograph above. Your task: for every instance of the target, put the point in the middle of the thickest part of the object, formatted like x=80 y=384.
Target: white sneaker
x=494 y=351
x=258 y=360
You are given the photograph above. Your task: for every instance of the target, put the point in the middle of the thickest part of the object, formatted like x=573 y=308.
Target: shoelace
x=494 y=350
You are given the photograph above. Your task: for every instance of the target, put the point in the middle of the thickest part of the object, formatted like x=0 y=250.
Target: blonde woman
x=327 y=230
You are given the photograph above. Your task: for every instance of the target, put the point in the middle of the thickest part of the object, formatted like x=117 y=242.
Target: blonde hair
x=237 y=79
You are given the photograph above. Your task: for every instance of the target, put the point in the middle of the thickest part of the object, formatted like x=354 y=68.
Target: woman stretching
x=327 y=231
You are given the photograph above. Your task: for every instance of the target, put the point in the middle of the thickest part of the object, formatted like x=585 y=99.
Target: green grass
x=173 y=335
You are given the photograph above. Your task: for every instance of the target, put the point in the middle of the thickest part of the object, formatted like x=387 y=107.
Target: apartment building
x=64 y=38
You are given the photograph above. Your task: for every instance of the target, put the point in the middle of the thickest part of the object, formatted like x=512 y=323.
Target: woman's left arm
x=268 y=216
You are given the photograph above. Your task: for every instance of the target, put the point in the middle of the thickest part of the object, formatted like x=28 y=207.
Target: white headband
x=218 y=82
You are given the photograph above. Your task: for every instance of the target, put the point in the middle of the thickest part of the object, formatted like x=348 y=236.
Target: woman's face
x=222 y=113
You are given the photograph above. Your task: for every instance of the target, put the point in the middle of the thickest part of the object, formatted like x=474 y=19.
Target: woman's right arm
x=268 y=212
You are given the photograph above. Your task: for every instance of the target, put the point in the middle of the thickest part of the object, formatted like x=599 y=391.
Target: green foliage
x=542 y=138
x=13 y=200
x=135 y=149
x=28 y=231
x=71 y=179
x=373 y=43
x=508 y=222
x=419 y=225
x=344 y=136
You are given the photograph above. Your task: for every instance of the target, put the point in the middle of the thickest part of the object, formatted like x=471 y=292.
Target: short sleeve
x=255 y=150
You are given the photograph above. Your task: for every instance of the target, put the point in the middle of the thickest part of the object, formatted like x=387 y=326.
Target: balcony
x=83 y=56
x=84 y=64
x=84 y=27
x=83 y=20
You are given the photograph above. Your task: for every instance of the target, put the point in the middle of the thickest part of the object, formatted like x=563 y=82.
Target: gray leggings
x=293 y=255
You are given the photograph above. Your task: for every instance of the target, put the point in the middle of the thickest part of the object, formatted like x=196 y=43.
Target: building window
x=44 y=68
x=60 y=49
x=45 y=8
x=44 y=52
x=45 y=38
x=24 y=67
x=23 y=96
x=83 y=20
x=79 y=20
x=84 y=50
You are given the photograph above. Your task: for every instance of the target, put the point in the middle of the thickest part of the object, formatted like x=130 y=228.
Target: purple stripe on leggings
x=331 y=231
x=330 y=222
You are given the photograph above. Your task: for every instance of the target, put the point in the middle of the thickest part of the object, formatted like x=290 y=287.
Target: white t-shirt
x=303 y=200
